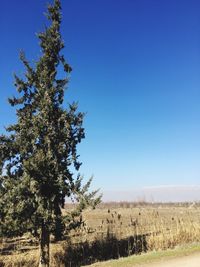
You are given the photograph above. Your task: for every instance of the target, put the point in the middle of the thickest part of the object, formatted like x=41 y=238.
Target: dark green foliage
x=38 y=152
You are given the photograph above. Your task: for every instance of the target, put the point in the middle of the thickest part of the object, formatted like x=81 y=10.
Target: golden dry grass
x=163 y=227
x=125 y=231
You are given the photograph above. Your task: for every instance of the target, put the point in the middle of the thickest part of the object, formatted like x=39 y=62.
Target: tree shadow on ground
x=101 y=250
x=19 y=245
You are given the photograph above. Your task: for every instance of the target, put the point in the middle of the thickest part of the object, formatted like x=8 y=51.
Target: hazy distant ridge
x=165 y=193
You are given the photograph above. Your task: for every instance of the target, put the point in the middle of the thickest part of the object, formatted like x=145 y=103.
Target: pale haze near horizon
x=155 y=194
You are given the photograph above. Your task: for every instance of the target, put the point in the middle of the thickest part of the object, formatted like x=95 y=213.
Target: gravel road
x=185 y=261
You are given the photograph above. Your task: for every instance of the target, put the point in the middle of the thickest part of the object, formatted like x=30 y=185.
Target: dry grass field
x=112 y=231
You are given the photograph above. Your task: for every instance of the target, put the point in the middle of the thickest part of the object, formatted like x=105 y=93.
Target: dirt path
x=185 y=261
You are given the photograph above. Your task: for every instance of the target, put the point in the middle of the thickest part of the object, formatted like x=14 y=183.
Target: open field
x=111 y=232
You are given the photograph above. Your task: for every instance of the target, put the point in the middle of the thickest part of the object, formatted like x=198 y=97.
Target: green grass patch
x=150 y=257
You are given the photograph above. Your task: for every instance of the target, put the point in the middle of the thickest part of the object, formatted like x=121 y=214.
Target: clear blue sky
x=136 y=72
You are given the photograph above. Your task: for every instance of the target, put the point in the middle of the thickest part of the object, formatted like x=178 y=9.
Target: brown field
x=111 y=231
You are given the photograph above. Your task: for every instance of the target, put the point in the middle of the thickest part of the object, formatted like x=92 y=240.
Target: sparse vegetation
x=113 y=232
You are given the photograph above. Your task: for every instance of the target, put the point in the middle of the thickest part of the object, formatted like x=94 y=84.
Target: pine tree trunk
x=44 y=246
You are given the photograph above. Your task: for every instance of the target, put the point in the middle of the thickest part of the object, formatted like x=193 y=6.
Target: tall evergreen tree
x=39 y=150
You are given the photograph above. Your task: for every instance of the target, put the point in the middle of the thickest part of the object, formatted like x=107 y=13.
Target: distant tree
x=38 y=155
